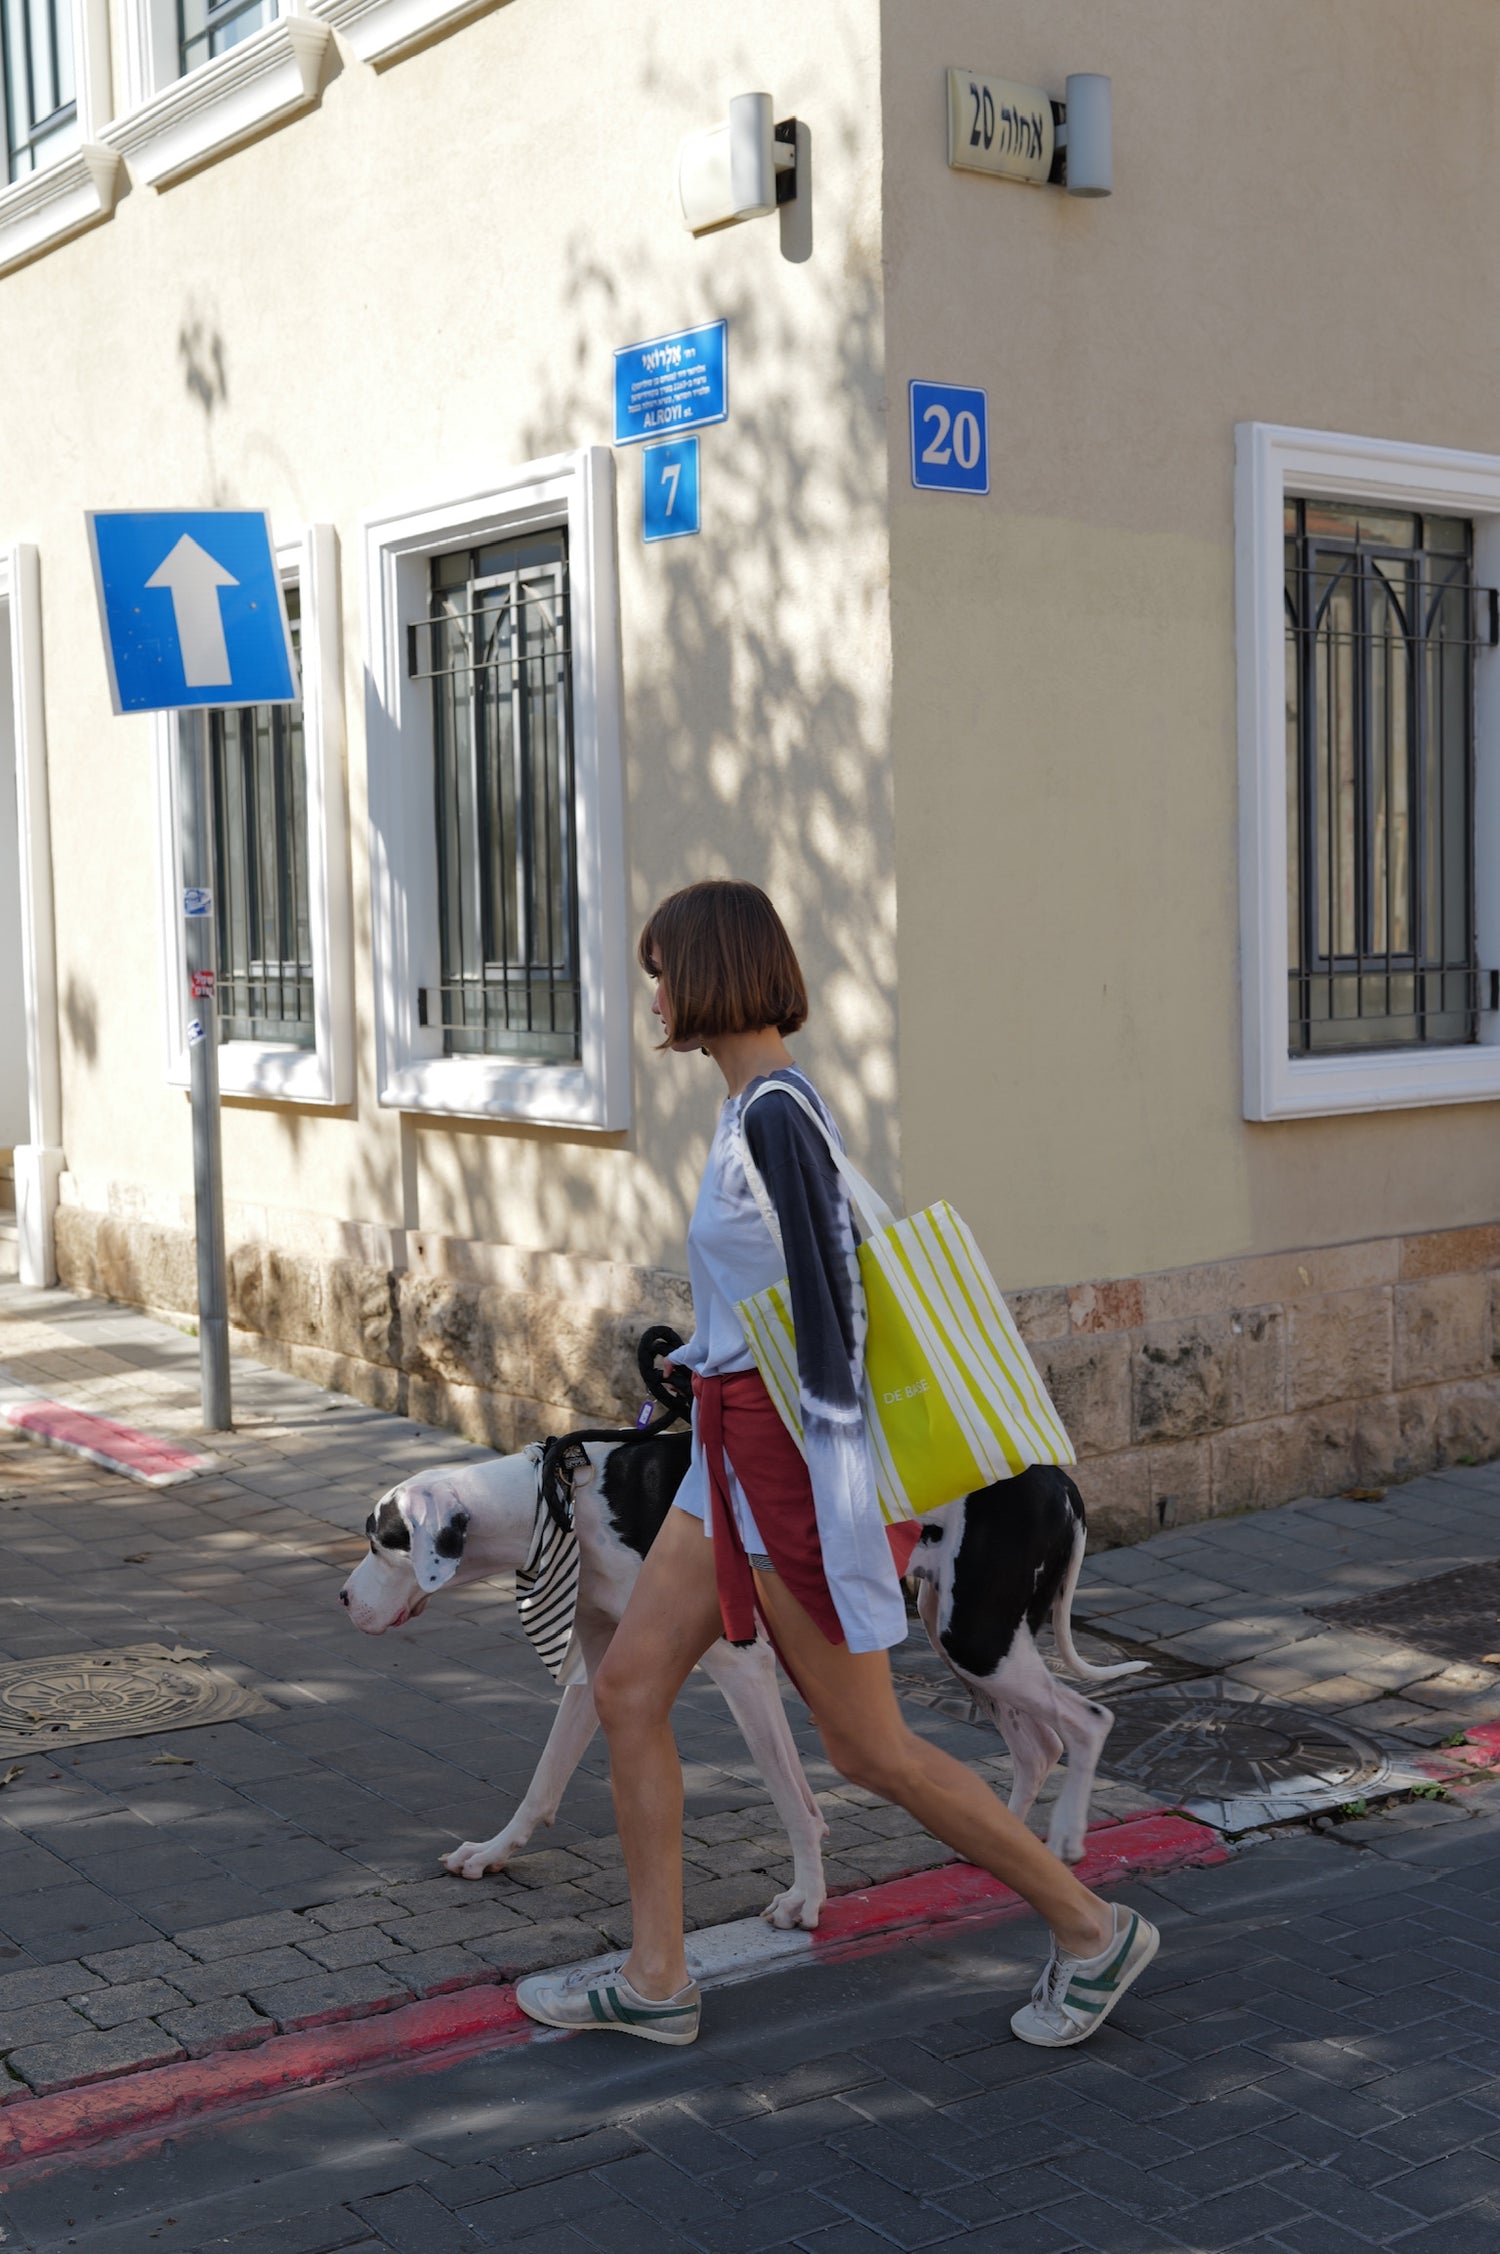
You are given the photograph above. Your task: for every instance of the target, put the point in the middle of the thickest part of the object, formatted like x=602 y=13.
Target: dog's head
x=416 y=1535
x=478 y=1518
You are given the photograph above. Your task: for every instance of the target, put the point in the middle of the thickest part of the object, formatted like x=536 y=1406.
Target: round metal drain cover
x=88 y=1697
x=1235 y=1756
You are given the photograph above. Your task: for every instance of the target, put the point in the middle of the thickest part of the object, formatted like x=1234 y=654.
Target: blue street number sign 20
x=669 y=489
x=192 y=609
x=950 y=438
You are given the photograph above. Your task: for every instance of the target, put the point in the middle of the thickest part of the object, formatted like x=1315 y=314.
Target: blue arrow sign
x=191 y=605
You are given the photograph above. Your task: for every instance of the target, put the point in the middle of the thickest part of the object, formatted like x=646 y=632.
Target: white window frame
x=1271 y=463
x=81 y=187
x=385 y=31
x=175 y=122
x=575 y=490
x=277 y=1071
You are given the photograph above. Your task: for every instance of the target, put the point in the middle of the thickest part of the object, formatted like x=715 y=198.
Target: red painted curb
x=99 y=1440
x=36 y=2128
x=1143 y=1847
x=43 y=2128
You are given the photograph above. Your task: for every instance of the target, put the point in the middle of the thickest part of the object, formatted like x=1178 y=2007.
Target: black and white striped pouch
x=547 y=1594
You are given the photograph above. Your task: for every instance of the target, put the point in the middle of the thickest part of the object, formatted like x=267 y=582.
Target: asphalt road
x=1312 y=2065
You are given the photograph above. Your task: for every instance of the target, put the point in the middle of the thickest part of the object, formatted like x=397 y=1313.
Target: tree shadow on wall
x=756 y=673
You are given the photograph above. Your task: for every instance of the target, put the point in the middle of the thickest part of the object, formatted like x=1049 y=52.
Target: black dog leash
x=563 y=1457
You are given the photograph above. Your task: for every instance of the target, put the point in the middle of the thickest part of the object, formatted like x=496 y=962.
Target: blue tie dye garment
x=731 y=1255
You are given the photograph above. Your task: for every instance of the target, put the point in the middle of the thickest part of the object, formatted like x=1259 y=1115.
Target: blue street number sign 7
x=950 y=438
x=669 y=489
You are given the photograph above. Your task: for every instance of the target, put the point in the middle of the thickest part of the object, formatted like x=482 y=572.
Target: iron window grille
x=37 y=80
x=206 y=28
x=1383 y=619
x=265 y=989
x=495 y=649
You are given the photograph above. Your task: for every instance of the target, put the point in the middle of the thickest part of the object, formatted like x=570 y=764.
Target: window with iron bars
x=265 y=990
x=206 y=28
x=1383 y=619
x=495 y=649
x=37 y=81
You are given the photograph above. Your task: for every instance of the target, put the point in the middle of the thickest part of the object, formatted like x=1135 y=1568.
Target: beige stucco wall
x=420 y=282
x=1302 y=232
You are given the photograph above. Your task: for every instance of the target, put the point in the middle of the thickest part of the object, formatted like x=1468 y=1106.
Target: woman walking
x=797 y=1539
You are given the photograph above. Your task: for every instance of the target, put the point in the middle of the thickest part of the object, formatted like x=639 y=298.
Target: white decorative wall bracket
x=379 y=32
x=61 y=200
x=270 y=77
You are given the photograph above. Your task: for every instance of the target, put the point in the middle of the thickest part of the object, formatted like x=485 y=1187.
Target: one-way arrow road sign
x=193 y=579
x=192 y=608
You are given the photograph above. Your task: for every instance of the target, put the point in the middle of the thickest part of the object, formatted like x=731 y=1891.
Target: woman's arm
x=817 y=1238
x=828 y=1313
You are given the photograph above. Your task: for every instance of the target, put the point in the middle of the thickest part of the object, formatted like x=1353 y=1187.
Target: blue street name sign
x=950 y=438
x=672 y=383
x=192 y=609
x=669 y=490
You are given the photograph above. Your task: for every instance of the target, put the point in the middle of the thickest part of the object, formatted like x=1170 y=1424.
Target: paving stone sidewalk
x=1237 y=1596
x=1312 y=2066
x=203 y=1887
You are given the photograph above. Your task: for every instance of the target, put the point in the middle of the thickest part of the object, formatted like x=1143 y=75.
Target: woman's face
x=659 y=1010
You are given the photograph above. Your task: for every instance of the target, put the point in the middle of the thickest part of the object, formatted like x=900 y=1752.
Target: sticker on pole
x=197 y=900
x=202 y=984
x=669 y=490
x=192 y=609
x=950 y=438
x=195 y=1029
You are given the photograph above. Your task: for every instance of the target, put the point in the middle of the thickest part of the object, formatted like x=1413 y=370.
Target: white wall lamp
x=1016 y=132
x=740 y=170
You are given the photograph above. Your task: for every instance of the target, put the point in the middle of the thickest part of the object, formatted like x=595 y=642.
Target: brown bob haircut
x=724 y=960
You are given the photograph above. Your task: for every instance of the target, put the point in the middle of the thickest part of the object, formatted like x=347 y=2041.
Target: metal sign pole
x=203 y=1057
x=192 y=607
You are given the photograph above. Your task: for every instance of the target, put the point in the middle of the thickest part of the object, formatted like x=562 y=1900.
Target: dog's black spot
x=387 y=1527
x=1013 y=1556
x=931 y=1534
x=449 y=1541
x=638 y=1483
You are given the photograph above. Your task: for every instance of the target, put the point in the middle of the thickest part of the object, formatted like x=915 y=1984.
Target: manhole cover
x=920 y=1675
x=1235 y=1758
x=84 y=1697
x=1456 y=1615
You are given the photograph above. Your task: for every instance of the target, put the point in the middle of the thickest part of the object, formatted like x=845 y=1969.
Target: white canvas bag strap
x=870 y=1208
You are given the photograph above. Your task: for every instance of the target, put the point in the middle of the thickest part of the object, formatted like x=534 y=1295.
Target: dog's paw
x=476 y=1858
x=1068 y=1847
x=798 y=1906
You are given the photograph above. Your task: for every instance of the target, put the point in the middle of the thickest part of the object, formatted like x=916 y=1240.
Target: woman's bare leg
x=867 y=1740
x=669 y=1623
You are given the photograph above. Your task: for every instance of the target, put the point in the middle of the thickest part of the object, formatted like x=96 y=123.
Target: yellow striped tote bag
x=952 y=1398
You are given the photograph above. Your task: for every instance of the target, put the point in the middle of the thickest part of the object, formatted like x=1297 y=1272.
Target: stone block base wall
x=1188 y=1394
x=498 y=1345
x=1249 y=1382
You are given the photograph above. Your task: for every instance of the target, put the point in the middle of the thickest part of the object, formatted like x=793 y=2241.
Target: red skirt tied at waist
x=737 y=1421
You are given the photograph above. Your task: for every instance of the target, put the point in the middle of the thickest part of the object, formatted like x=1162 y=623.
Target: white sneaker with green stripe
x=589 y=1997
x=1075 y=1995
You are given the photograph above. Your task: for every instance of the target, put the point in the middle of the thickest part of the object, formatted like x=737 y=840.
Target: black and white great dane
x=990 y=1570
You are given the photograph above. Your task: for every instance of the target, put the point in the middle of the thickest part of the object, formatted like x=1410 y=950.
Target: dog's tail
x=1062 y=1622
